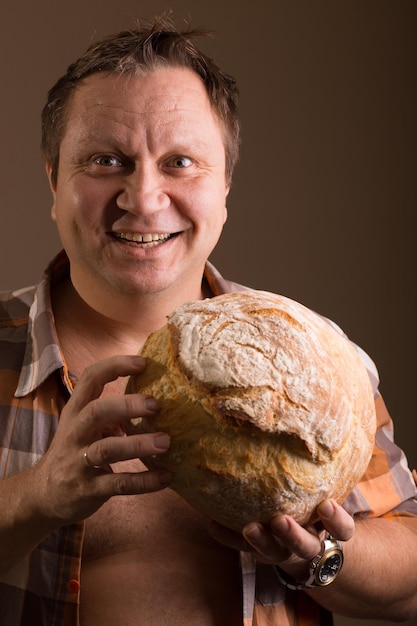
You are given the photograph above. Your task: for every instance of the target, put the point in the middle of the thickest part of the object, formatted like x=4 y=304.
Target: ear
x=225 y=214
x=225 y=205
x=52 y=186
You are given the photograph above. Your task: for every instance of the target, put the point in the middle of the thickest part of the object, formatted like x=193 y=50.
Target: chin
x=141 y=285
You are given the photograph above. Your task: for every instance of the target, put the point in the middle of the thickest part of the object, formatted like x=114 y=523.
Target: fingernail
x=280 y=524
x=162 y=441
x=138 y=361
x=151 y=403
x=252 y=532
x=326 y=509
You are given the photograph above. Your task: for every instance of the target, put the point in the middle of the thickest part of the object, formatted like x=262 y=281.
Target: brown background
x=324 y=200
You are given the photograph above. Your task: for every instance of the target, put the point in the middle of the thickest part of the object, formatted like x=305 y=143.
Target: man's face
x=141 y=190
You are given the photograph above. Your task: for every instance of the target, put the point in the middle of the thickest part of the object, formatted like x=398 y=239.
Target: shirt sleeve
x=387 y=488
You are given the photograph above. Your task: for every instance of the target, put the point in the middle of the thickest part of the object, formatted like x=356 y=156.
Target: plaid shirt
x=43 y=589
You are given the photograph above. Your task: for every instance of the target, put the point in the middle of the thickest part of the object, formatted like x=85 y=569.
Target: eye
x=179 y=162
x=107 y=160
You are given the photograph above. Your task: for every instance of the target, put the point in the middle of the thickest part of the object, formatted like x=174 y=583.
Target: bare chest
x=149 y=559
x=148 y=522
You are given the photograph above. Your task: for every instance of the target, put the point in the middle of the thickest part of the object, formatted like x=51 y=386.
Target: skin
x=167 y=176
x=143 y=156
x=368 y=546
x=61 y=488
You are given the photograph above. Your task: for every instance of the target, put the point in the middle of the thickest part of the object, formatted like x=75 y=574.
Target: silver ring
x=88 y=462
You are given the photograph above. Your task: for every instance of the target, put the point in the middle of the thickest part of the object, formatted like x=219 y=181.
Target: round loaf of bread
x=269 y=407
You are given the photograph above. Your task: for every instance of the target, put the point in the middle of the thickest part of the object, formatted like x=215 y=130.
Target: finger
x=283 y=537
x=98 y=415
x=93 y=379
x=228 y=537
x=110 y=450
x=130 y=483
x=336 y=520
x=264 y=543
x=303 y=542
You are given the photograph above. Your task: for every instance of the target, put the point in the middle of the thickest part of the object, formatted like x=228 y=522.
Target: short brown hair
x=146 y=48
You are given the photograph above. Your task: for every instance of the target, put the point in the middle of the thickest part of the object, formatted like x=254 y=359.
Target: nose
x=144 y=191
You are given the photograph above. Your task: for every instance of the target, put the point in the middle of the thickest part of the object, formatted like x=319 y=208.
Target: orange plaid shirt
x=43 y=589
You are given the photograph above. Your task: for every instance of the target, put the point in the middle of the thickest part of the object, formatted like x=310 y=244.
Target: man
x=140 y=139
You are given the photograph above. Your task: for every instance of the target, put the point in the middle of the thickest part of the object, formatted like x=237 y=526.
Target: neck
x=90 y=328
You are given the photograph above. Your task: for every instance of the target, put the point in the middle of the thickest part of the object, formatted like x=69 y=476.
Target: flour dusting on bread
x=269 y=408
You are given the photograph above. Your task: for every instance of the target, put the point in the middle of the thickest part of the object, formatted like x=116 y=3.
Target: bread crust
x=269 y=408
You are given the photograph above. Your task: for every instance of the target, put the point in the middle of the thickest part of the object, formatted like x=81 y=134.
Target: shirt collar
x=43 y=354
x=219 y=285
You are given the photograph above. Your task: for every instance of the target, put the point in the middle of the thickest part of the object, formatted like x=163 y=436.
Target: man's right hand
x=64 y=487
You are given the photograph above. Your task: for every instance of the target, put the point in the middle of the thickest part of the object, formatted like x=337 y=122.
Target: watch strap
x=288 y=581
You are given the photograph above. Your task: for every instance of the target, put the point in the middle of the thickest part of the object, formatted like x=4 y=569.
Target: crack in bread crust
x=269 y=408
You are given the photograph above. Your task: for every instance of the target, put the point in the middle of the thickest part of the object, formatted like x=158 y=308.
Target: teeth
x=146 y=238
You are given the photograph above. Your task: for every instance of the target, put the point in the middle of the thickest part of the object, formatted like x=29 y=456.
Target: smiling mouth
x=148 y=240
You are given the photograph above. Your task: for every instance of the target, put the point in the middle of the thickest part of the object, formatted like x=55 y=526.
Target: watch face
x=329 y=569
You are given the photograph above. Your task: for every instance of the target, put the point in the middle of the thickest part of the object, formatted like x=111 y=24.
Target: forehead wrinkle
x=187 y=97
x=125 y=118
x=105 y=110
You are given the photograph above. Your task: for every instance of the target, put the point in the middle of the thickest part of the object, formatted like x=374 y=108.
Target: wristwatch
x=323 y=569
